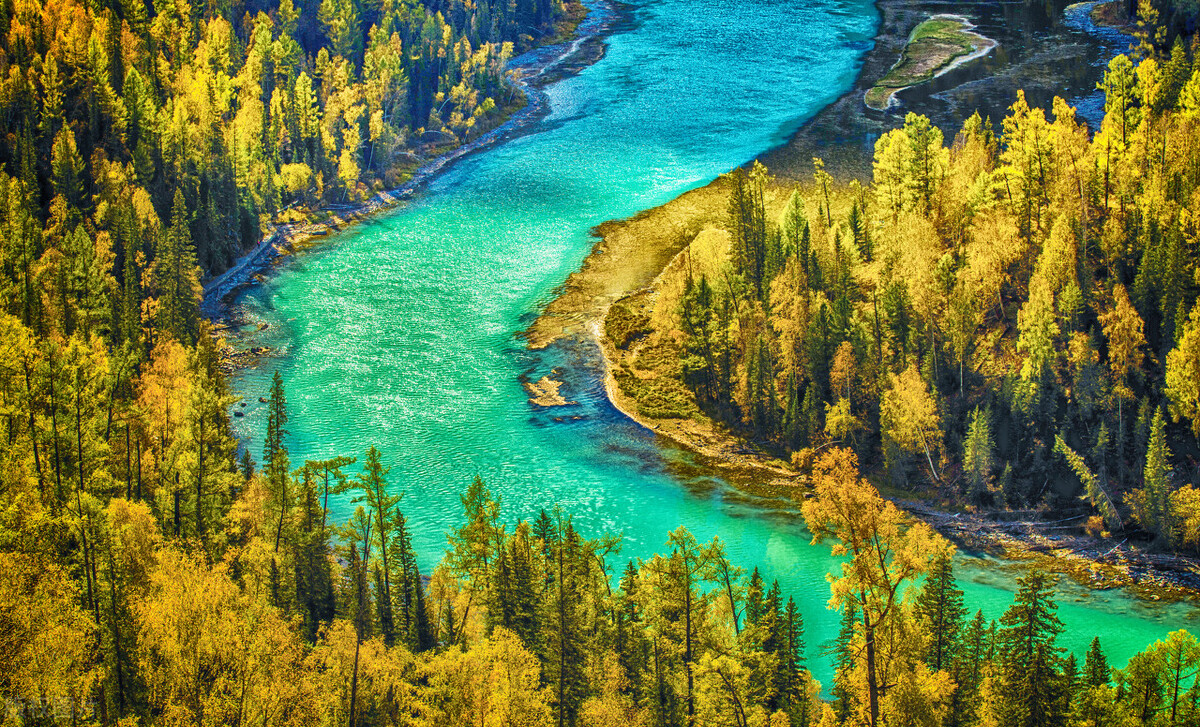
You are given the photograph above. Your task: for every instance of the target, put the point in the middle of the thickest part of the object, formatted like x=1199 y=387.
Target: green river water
x=401 y=332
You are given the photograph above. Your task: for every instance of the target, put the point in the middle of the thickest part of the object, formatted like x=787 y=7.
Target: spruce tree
x=791 y=657
x=566 y=645
x=755 y=605
x=373 y=483
x=409 y=580
x=843 y=653
x=1030 y=660
x=176 y=277
x=629 y=640
x=314 y=580
x=1152 y=507
x=1095 y=666
x=940 y=608
x=275 y=454
x=774 y=643
x=970 y=660
x=978 y=457
x=1069 y=685
x=522 y=589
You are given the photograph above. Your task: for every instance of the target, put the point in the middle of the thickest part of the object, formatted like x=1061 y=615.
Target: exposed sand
x=629 y=255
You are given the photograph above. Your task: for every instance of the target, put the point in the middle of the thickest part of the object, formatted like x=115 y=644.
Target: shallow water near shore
x=401 y=332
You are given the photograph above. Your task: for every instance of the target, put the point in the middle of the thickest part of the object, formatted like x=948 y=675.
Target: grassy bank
x=936 y=46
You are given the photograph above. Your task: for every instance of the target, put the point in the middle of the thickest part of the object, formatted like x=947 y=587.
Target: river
x=402 y=332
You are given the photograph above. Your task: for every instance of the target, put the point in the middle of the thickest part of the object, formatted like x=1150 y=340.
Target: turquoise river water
x=401 y=332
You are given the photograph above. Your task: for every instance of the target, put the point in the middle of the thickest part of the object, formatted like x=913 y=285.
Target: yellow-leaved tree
x=211 y=655
x=1183 y=373
x=909 y=419
x=495 y=682
x=883 y=552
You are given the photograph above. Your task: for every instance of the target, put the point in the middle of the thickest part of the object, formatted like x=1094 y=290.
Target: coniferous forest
x=1017 y=305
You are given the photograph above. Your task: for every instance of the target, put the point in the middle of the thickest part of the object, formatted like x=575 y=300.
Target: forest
x=243 y=110
x=154 y=570
x=1002 y=321
x=247 y=606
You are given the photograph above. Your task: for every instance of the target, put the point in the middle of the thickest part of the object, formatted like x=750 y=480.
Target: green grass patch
x=624 y=324
x=657 y=389
x=936 y=27
x=933 y=45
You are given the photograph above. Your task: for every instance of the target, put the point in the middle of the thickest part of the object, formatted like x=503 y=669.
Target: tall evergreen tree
x=1095 y=666
x=275 y=454
x=1030 y=660
x=940 y=608
x=373 y=484
x=176 y=277
x=1152 y=502
x=844 y=653
x=314 y=580
x=566 y=642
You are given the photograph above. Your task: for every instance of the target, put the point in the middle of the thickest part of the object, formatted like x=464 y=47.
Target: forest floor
x=611 y=300
x=1113 y=14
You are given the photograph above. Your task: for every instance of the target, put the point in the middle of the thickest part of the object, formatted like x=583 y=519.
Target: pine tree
x=177 y=278
x=514 y=601
x=791 y=657
x=373 y=484
x=275 y=453
x=1069 y=685
x=978 y=457
x=970 y=661
x=1152 y=501
x=566 y=639
x=940 y=608
x=844 y=657
x=1095 y=666
x=314 y=581
x=755 y=604
x=131 y=290
x=1030 y=678
x=409 y=585
x=774 y=643
x=747 y=223
x=629 y=641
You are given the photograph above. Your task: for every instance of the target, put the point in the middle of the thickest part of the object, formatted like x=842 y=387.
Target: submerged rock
x=544 y=392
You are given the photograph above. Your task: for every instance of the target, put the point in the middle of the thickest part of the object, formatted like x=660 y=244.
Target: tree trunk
x=354 y=678
x=37 y=462
x=872 y=684
x=54 y=433
x=562 y=638
x=200 y=483
x=687 y=653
